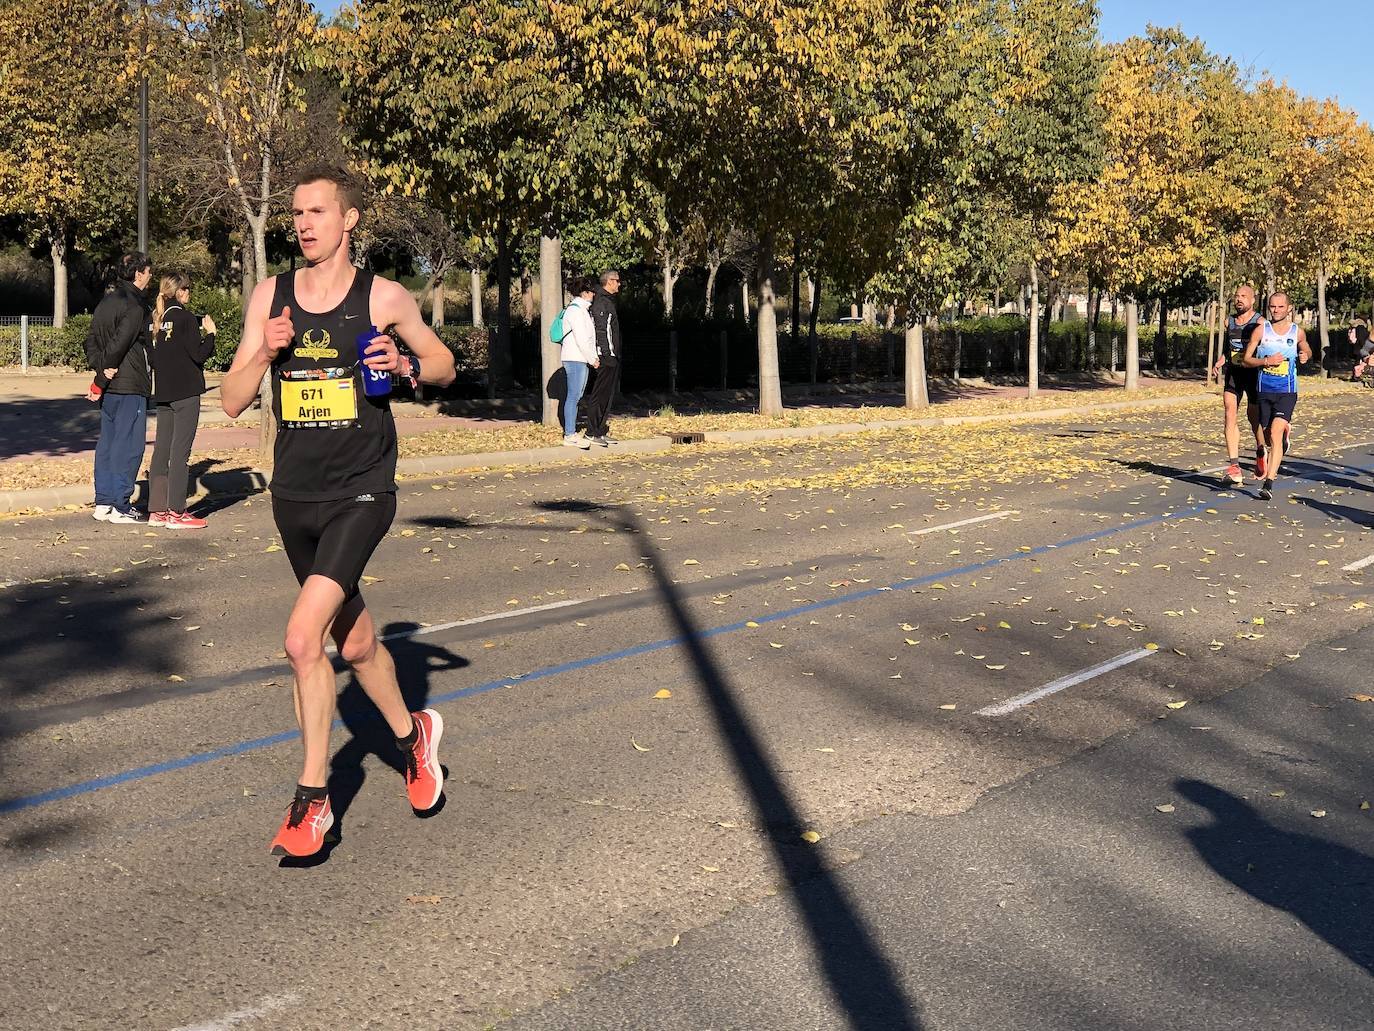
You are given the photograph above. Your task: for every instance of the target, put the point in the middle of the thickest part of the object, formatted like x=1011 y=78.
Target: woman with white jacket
x=579 y=357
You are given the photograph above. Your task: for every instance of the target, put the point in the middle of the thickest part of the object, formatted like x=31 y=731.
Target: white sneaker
x=126 y=515
x=576 y=440
x=102 y=512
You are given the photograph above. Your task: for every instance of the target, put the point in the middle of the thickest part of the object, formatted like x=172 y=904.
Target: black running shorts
x=333 y=538
x=1241 y=381
x=1277 y=406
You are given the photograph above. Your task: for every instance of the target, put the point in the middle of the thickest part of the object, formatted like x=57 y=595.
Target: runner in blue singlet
x=1275 y=349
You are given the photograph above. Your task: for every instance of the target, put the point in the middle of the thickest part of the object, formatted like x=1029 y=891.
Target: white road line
x=1355 y=566
x=509 y=614
x=240 y=1017
x=962 y=522
x=1348 y=447
x=1012 y=704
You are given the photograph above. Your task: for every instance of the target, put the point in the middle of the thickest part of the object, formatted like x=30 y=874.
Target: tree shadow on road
x=1358 y=516
x=1325 y=885
x=864 y=983
x=368 y=734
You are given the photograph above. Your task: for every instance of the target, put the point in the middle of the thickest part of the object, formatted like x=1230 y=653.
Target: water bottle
x=375 y=382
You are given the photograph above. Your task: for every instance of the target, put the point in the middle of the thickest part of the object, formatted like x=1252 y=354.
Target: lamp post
x=143 y=132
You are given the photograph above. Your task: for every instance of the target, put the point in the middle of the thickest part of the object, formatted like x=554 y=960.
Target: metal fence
x=31 y=341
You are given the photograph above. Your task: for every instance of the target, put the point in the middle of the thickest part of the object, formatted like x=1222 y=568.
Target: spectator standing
x=1363 y=344
x=118 y=351
x=579 y=356
x=606 y=321
x=181 y=345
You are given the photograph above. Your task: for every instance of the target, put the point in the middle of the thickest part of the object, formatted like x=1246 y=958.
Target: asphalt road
x=830 y=619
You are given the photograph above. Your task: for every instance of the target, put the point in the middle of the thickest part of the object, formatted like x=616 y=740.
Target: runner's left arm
x=395 y=310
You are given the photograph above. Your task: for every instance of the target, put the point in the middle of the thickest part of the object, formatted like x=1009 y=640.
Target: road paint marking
x=240 y=1017
x=1348 y=447
x=962 y=522
x=1012 y=704
x=1356 y=566
x=10 y=805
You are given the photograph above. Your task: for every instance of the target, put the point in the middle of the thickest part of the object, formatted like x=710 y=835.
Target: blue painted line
x=142 y=772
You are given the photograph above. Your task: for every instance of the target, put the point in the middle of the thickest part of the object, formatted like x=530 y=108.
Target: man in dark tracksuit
x=606 y=378
x=118 y=350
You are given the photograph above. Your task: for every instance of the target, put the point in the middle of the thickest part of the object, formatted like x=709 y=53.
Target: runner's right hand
x=278 y=334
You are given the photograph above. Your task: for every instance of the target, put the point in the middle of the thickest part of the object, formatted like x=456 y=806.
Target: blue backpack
x=557 y=331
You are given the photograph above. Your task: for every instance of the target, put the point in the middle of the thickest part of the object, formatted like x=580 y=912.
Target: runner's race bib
x=319 y=398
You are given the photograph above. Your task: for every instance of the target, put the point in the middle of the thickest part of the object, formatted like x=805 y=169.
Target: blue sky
x=1314 y=44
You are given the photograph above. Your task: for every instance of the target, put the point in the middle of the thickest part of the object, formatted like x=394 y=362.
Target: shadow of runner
x=416 y=660
x=863 y=981
x=1326 y=886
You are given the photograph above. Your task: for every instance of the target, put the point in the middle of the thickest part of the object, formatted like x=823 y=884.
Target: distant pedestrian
x=579 y=356
x=609 y=349
x=1363 y=344
x=118 y=351
x=181 y=345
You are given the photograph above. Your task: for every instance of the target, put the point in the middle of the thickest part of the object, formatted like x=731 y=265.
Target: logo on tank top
x=315 y=344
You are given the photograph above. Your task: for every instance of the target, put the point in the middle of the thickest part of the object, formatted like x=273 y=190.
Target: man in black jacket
x=606 y=378
x=118 y=350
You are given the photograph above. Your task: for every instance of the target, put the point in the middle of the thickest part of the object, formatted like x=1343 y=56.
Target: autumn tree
x=520 y=116
x=67 y=141
x=1174 y=173
x=1314 y=219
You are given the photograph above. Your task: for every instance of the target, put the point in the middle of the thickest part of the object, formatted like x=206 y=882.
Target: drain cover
x=687 y=438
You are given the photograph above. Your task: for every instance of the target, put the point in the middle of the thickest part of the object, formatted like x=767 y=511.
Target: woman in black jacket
x=181 y=345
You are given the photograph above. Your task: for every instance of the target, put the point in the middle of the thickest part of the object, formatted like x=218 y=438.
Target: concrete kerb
x=241 y=482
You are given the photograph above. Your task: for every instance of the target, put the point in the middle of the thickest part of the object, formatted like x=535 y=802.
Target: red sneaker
x=158 y=518
x=183 y=521
x=424 y=777
x=1259 y=466
x=302 y=832
x=1233 y=474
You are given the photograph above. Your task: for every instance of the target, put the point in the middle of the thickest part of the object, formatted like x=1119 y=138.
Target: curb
x=252 y=481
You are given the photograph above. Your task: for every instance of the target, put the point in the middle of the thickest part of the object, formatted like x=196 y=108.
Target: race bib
x=1281 y=369
x=318 y=402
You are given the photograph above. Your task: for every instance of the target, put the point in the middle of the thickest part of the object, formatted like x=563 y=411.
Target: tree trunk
x=550 y=304
x=1021 y=302
x=476 y=289
x=59 y=281
x=1132 y=345
x=958 y=349
x=669 y=275
x=436 y=303
x=249 y=278
x=870 y=313
x=1210 y=313
x=795 y=314
x=1323 y=320
x=770 y=385
x=1162 y=337
x=257 y=230
x=501 y=364
x=811 y=291
x=811 y=345
x=1033 y=343
x=917 y=392
x=744 y=298
x=712 y=269
x=1269 y=278
x=1094 y=303
x=527 y=295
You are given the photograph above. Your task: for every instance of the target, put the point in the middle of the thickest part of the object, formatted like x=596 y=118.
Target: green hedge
x=226 y=308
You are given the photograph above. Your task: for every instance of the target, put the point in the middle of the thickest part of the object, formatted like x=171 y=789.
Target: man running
x=1274 y=350
x=334 y=478
x=1238 y=380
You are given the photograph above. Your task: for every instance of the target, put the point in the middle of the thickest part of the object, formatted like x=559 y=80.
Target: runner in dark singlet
x=1240 y=382
x=334 y=478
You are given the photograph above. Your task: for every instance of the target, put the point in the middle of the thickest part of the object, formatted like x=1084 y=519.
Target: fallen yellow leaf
x=810 y=836
x=663 y=693
x=639 y=747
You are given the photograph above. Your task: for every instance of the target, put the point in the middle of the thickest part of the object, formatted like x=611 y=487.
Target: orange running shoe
x=1233 y=474
x=1259 y=465
x=303 y=831
x=424 y=777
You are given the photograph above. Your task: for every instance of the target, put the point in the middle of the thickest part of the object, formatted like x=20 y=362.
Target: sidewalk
x=49 y=431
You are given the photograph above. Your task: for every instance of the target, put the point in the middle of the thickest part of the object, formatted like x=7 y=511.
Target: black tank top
x=333 y=442
x=1237 y=336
